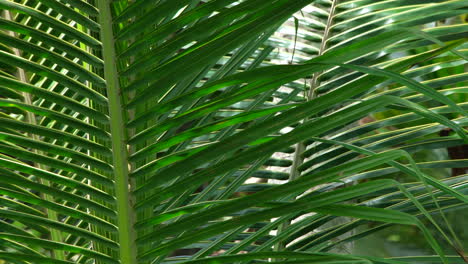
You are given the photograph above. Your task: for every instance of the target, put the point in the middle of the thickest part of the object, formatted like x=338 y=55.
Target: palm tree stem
x=323 y=46
x=124 y=198
x=300 y=147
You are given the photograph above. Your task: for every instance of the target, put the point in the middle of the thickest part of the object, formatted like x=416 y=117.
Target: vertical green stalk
x=30 y=117
x=125 y=220
x=300 y=147
x=323 y=45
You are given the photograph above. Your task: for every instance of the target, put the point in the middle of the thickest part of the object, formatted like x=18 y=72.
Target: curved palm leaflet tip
x=230 y=131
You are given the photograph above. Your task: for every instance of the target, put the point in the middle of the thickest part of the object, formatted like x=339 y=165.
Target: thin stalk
x=300 y=147
x=124 y=198
x=314 y=83
x=30 y=118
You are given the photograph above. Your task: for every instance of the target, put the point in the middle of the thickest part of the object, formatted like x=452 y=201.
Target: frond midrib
x=125 y=212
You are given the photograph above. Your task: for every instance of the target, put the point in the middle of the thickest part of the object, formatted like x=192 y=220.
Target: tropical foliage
x=229 y=131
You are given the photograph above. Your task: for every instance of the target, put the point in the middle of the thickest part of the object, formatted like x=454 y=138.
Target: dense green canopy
x=230 y=131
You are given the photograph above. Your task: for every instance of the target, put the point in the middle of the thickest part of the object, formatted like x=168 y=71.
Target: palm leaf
x=226 y=131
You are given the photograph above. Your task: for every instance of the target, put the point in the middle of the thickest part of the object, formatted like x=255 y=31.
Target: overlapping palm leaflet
x=229 y=131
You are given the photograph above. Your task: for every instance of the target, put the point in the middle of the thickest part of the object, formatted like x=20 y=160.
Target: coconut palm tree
x=229 y=131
